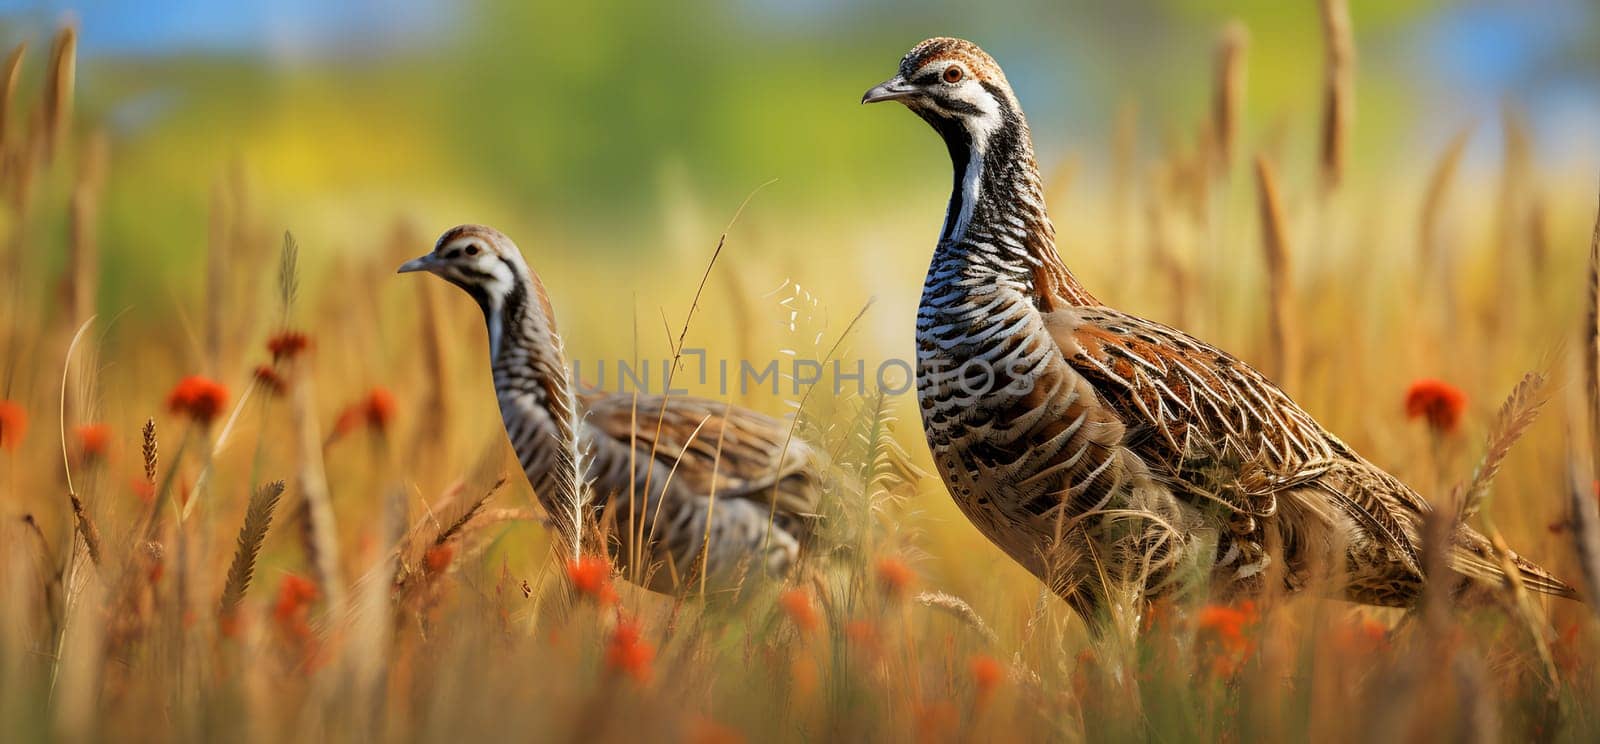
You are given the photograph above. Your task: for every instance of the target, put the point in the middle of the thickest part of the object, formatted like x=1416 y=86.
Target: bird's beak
x=420 y=263
x=893 y=89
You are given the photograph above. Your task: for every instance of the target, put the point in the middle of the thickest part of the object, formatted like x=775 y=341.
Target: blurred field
x=400 y=593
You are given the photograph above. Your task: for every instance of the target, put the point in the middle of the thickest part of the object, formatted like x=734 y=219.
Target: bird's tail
x=1476 y=558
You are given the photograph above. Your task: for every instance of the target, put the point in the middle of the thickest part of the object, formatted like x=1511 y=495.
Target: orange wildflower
x=935 y=720
x=1226 y=627
x=199 y=398
x=145 y=490
x=13 y=424
x=93 y=440
x=862 y=633
x=627 y=653
x=376 y=410
x=270 y=381
x=438 y=558
x=380 y=409
x=704 y=730
x=1438 y=402
x=1361 y=637
x=287 y=345
x=293 y=610
x=796 y=603
x=591 y=577
x=894 y=576
x=987 y=674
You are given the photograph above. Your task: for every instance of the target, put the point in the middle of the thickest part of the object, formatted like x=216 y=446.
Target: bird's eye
x=472 y=250
x=952 y=74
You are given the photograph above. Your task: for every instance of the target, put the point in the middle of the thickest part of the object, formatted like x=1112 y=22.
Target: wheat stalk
x=57 y=104
x=1591 y=347
x=288 y=276
x=1440 y=180
x=467 y=513
x=83 y=256
x=1228 y=104
x=958 y=608
x=150 y=451
x=1586 y=523
x=8 y=90
x=1516 y=414
x=257 y=520
x=1275 y=244
x=1584 y=520
x=86 y=528
x=1338 y=98
x=216 y=279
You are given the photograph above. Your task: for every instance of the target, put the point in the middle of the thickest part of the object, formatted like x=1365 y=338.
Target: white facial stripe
x=981 y=122
x=970 y=182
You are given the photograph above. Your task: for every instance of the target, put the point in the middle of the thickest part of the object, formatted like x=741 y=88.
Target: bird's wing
x=1214 y=429
x=759 y=459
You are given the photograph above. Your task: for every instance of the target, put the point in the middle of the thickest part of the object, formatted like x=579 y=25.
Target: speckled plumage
x=1104 y=451
x=655 y=478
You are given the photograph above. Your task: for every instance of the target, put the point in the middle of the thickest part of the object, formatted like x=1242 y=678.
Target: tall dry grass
x=276 y=571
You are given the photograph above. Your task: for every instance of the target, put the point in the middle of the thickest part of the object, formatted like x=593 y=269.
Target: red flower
x=706 y=731
x=862 y=633
x=591 y=577
x=1437 y=401
x=894 y=576
x=13 y=424
x=145 y=490
x=987 y=674
x=199 y=398
x=293 y=610
x=797 y=605
x=1357 y=638
x=935 y=720
x=438 y=558
x=93 y=440
x=627 y=654
x=287 y=345
x=380 y=409
x=376 y=411
x=1226 y=627
x=269 y=380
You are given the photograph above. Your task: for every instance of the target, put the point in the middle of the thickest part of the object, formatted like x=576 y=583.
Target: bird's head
x=478 y=259
x=955 y=86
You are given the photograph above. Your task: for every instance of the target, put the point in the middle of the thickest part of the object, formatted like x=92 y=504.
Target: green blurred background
x=597 y=121
x=615 y=141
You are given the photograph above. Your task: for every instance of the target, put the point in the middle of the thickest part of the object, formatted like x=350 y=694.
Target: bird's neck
x=997 y=224
x=531 y=383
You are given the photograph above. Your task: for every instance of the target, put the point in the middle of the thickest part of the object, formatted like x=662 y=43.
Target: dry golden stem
x=1338 y=101
x=83 y=254
x=216 y=280
x=86 y=528
x=1275 y=243
x=57 y=104
x=1228 y=102
x=1591 y=348
x=1433 y=270
x=8 y=90
x=321 y=535
x=257 y=520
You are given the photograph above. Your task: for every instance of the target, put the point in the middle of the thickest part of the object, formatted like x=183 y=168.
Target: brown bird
x=669 y=474
x=1104 y=451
